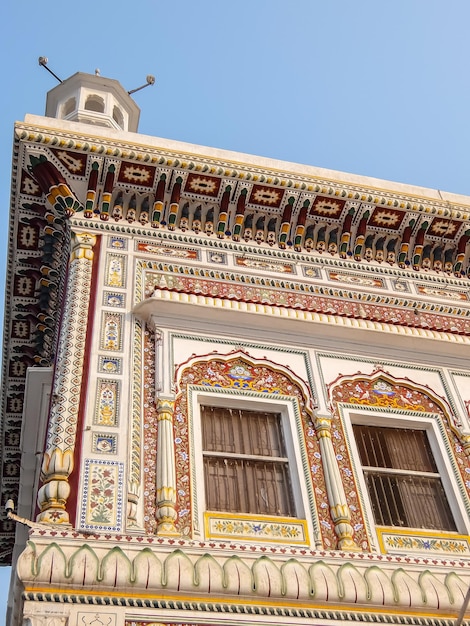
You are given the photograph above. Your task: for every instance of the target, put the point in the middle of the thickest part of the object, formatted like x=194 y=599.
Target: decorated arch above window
x=400 y=443
x=382 y=390
x=238 y=370
x=238 y=376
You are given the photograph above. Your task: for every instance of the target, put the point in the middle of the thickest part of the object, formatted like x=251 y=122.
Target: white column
x=166 y=468
x=334 y=486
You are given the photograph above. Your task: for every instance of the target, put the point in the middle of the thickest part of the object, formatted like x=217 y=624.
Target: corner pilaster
x=58 y=457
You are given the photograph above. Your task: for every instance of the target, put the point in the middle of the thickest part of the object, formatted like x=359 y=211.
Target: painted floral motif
x=107 y=402
x=110 y=365
x=356 y=279
x=306 y=298
x=111 y=339
x=104 y=443
x=401 y=285
x=237 y=374
x=349 y=484
x=442 y=293
x=118 y=243
x=165 y=250
x=114 y=299
x=243 y=528
x=383 y=394
x=101 y=495
x=407 y=543
x=103 y=486
x=134 y=623
x=149 y=435
x=217 y=257
x=311 y=272
x=260 y=264
x=115 y=271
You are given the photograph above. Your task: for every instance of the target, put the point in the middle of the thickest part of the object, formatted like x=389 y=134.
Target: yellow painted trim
x=242 y=600
x=391 y=530
x=208 y=515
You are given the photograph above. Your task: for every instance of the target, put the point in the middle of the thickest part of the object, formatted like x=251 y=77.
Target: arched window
x=69 y=107
x=118 y=116
x=94 y=103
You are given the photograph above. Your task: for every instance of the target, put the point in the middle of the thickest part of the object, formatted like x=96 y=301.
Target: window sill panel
x=409 y=541
x=259 y=528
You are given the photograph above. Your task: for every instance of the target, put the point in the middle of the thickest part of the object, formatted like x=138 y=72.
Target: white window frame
x=301 y=482
x=438 y=441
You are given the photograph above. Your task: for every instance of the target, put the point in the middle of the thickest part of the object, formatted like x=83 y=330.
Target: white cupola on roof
x=92 y=99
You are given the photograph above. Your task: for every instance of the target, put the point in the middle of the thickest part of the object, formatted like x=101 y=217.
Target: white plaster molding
x=335 y=580
x=145 y=309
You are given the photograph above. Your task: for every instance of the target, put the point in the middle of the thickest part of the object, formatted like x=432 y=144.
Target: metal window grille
x=401 y=475
x=246 y=467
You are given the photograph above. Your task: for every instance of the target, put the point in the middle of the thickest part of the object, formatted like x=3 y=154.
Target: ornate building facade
x=235 y=390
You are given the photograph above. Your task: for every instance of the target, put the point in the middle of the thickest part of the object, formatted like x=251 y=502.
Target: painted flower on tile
x=102 y=490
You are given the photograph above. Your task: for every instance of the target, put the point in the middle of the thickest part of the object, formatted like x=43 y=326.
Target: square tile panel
x=104 y=443
x=102 y=504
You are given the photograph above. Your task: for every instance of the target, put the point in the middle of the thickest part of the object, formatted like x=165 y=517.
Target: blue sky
x=374 y=88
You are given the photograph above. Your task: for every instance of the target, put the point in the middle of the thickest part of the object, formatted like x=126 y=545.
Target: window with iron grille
x=246 y=467
x=401 y=475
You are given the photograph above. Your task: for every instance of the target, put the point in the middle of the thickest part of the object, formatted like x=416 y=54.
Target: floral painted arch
x=238 y=370
x=382 y=390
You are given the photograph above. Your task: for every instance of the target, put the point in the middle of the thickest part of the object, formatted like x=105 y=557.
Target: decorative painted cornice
x=147 y=308
x=324 y=298
x=136 y=151
x=217 y=575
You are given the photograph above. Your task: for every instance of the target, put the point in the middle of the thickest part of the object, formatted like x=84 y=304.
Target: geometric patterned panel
x=386 y=218
x=24 y=286
x=444 y=228
x=137 y=174
x=202 y=185
x=266 y=196
x=29 y=186
x=327 y=207
x=74 y=162
x=28 y=237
